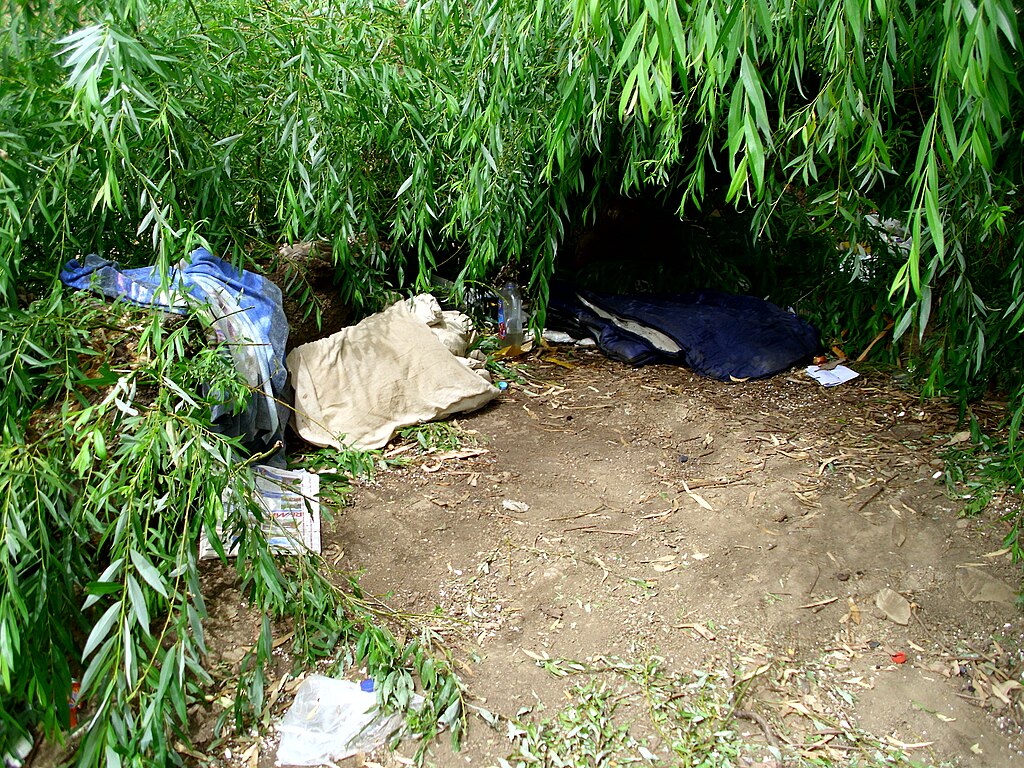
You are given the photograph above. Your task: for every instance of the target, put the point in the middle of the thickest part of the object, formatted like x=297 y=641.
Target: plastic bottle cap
x=502 y=385
x=366 y=685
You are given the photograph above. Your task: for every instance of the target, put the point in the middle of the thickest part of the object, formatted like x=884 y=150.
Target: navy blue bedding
x=717 y=335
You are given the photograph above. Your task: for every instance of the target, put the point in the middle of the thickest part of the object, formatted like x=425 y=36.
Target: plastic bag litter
x=333 y=719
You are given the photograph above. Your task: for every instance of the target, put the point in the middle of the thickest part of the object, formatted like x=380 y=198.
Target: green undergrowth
x=339 y=469
x=621 y=713
x=439 y=436
x=986 y=473
x=109 y=472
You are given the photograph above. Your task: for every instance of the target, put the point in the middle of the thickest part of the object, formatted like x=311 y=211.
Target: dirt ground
x=624 y=513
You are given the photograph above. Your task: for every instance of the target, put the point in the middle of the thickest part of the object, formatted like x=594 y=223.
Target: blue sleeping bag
x=716 y=334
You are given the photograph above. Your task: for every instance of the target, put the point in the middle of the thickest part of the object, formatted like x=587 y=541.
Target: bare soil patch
x=623 y=513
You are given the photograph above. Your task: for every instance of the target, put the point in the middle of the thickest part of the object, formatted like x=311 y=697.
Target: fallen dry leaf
x=700 y=629
x=698 y=498
x=998 y=552
x=854 y=610
x=1002 y=690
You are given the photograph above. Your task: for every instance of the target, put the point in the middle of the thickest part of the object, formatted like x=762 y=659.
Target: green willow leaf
x=148 y=572
x=101 y=628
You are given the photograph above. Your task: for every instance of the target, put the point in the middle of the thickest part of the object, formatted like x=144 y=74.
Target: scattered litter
x=560 y=337
x=515 y=506
x=831 y=378
x=73 y=703
x=19 y=751
x=557 y=337
x=333 y=719
x=291 y=503
x=899 y=657
x=894 y=605
x=511 y=319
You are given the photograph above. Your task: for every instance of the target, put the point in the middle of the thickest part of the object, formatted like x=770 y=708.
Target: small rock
x=780 y=516
x=898 y=533
x=894 y=605
x=980 y=587
x=843 y=575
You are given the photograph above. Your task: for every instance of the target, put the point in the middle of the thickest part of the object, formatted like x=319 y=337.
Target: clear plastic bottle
x=511 y=325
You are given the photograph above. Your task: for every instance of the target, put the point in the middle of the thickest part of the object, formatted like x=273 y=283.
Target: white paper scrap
x=831 y=378
x=291 y=508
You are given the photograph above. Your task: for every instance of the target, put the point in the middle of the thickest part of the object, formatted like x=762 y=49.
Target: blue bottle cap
x=366 y=685
x=502 y=385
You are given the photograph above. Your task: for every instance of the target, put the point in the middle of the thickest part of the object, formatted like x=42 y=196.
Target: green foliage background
x=413 y=135
x=468 y=137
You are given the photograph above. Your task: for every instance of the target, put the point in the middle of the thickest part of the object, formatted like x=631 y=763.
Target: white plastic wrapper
x=333 y=719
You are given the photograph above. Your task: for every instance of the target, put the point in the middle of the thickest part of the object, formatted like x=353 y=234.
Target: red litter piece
x=899 y=657
x=73 y=704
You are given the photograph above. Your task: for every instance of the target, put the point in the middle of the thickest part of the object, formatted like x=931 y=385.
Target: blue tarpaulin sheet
x=246 y=314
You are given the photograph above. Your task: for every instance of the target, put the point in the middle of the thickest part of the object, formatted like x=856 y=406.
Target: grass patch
x=622 y=713
x=439 y=437
x=339 y=469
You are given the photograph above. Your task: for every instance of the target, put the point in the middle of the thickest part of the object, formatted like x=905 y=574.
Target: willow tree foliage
x=413 y=134
x=465 y=137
